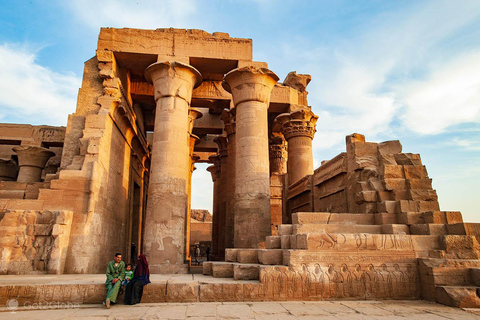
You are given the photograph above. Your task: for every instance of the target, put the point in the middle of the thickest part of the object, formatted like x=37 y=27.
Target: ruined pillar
x=215 y=172
x=298 y=129
x=228 y=117
x=168 y=198
x=221 y=141
x=251 y=89
x=31 y=161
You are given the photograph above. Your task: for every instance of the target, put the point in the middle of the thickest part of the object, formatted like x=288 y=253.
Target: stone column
x=251 y=89
x=193 y=114
x=278 y=156
x=193 y=158
x=168 y=199
x=228 y=117
x=215 y=172
x=221 y=141
x=298 y=129
x=31 y=161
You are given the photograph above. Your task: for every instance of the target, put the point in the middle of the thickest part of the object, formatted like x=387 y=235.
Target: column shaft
x=168 y=199
x=251 y=89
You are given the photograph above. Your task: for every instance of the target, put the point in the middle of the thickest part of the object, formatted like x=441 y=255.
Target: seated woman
x=141 y=277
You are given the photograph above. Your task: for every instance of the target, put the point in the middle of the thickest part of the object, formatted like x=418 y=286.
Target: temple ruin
x=153 y=103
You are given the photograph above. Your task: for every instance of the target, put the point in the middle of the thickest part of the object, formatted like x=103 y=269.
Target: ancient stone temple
x=153 y=103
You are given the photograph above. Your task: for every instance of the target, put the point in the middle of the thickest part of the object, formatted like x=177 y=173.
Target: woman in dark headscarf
x=141 y=277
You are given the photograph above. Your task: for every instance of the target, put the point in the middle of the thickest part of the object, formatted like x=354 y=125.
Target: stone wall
x=34 y=241
x=368 y=178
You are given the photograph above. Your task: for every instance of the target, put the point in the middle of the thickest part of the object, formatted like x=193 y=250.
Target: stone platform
x=345 y=310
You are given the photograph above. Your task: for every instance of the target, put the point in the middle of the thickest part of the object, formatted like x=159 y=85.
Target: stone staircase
x=349 y=256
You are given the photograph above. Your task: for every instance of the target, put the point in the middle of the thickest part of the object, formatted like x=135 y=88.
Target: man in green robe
x=115 y=275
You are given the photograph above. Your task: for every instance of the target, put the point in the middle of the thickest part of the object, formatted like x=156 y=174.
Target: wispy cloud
x=32 y=93
x=448 y=96
x=135 y=14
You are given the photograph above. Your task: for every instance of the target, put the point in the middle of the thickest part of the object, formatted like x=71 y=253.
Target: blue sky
x=407 y=70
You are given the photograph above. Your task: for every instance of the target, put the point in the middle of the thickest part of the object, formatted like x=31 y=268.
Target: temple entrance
x=200 y=224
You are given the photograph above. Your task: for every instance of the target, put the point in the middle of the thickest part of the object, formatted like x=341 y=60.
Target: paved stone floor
x=254 y=310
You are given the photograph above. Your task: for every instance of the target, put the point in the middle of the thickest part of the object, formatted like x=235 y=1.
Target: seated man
x=115 y=275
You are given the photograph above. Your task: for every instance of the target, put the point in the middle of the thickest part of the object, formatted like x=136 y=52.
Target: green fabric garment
x=115 y=271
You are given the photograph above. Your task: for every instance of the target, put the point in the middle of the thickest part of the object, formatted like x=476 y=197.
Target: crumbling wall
x=34 y=241
x=369 y=178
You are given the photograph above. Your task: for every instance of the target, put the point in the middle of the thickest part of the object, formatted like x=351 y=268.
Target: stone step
x=273 y=242
x=428 y=229
x=285 y=229
x=254 y=256
x=332 y=218
x=458 y=296
x=335 y=228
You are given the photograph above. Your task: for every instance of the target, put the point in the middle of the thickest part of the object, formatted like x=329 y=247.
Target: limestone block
x=207 y=268
x=408 y=159
x=310 y=217
x=285 y=229
x=395 y=229
x=435 y=217
x=231 y=255
x=393 y=172
x=461 y=247
x=407 y=206
x=423 y=195
x=246 y=272
x=222 y=270
x=453 y=217
x=389 y=147
x=12 y=194
x=475 y=276
x=351 y=218
x=293 y=241
x=459 y=297
x=428 y=205
x=285 y=241
x=395 y=184
x=270 y=256
x=387 y=206
x=301 y=241
x=456 y=229
x=425 y=243
x=401 y=195
x=385 y=218
x=419 y=184
x=415 y=172
x=410 y=218
x=428 y=229
x=365 y=196
x=273 y=242
x=247 y=255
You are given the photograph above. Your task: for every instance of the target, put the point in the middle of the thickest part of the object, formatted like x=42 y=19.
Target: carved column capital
x=250 y=84
x=298 y=123
x=221 y=141
x=173 y=79
x=31 y=161
x=228 y=117
x=193 y=114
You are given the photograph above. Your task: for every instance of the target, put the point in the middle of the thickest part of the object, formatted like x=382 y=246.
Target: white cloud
x=450 y=95
x=31 y=92
x=135 y=14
